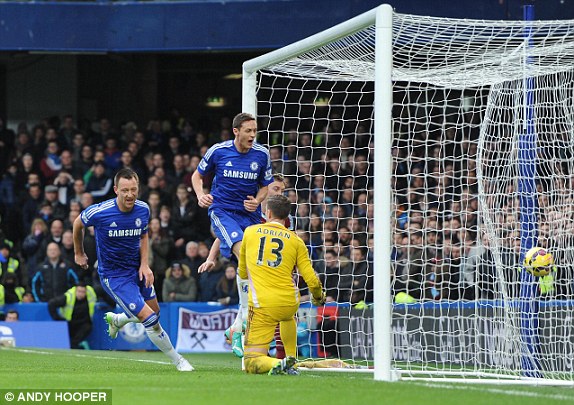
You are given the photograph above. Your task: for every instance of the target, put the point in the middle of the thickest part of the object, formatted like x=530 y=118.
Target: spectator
x=78 y=188
x=100 y=184
x=177 y=173
x=51 y=197
x=12 y=316
x=76 y=306
x=113 y=155
x=67 y=249
x=183 y=213
x=178 y=286
x=64 y=184
x=78 y=142
x=226 y=288
x=84 y=165
x=165 y=221
x=54 y=276
x=67 y=131
x=51 y=164
x=56 y=232
x=336 y=277
x=362 y=289
x=161 y=246
x=32 y=245
x=192 y=258
x=154 y=202
x=31 y=204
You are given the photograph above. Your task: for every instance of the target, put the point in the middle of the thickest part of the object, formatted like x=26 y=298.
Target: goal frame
x=382 y=18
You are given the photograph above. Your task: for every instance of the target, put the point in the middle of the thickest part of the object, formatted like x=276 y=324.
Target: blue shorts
x=228 y=226
x=129 y=293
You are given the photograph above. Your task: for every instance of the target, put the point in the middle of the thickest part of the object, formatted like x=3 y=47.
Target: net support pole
x=528 y=221
x=382 y=198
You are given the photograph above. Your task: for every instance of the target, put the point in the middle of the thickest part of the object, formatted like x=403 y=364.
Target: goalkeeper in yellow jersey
x=268 y=255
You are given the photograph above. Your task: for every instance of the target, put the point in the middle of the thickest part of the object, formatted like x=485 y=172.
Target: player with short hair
x=277 y=187
x=121 y=232
x=242 y=169
x=268 y=255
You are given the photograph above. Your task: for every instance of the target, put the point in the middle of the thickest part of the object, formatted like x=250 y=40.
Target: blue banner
x=48 y=335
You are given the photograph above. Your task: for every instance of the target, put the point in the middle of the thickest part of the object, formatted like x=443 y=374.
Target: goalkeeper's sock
x=279 y=348
x=159 y=338
x=289 y=337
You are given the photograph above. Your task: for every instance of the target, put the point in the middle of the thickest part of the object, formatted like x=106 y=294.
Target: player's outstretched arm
x=209 y=263
x=80 y=256
x=305 y=268
x=203 y=200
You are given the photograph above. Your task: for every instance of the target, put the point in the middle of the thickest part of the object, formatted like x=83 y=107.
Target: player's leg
x=259 y=333
x=229 y=231
x=238 y=325
x=149 y=317
x=115 y=321
x=161 y=339
x=289 y=336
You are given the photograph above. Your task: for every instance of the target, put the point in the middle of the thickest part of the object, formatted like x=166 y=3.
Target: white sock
x=121 y=319
x=242 y=287
x=159 y=338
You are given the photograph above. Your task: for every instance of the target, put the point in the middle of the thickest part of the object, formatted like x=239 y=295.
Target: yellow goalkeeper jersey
x=269 y=254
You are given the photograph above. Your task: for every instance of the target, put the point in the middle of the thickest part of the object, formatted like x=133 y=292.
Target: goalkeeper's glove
x=319 y=301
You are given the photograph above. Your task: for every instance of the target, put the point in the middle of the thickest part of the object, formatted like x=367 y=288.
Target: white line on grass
x=498 y=391
x=91 y=356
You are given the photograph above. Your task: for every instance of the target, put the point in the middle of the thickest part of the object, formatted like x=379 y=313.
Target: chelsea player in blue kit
x=122 y=242
x=242 y=169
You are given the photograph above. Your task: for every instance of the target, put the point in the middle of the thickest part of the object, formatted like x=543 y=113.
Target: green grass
x=141 y=378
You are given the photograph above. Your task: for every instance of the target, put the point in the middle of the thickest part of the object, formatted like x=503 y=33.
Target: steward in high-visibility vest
x=10 y=292
x=67 y=310
x=76 y=306
x=9 y=264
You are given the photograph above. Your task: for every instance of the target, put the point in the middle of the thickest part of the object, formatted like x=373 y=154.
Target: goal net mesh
x=482 y=152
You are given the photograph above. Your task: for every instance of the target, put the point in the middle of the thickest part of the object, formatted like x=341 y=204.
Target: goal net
x=467 y=162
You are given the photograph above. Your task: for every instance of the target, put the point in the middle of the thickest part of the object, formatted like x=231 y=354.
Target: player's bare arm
x=209 y=263
x=251 y=203
x=80 y=256
x=204 y=200
x=144 y=270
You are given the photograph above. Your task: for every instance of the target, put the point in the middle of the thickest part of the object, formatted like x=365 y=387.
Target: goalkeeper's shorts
x=263 y=321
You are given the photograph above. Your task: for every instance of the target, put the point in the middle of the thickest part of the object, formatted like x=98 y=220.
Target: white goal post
x=426 y=156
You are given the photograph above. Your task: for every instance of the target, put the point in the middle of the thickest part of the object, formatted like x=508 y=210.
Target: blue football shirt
x=117 y=236
x=237 y=174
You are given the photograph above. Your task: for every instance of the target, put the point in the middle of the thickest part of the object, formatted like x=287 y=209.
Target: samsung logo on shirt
x=236 y=174
x=118 y=233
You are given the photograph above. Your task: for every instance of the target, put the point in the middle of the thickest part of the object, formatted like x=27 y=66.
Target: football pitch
x=147 y=378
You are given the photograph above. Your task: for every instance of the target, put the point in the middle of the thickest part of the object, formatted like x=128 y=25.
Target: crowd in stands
x=52 y=171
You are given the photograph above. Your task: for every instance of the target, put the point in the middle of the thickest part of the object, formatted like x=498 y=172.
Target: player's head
x=126 y=187
x=278 y=185
x=245 y=131
x=278 y=207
